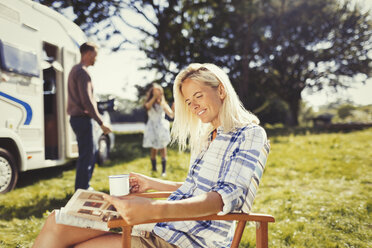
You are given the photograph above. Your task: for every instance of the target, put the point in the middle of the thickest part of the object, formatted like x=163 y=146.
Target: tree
x=270 y=48
x=313 y=45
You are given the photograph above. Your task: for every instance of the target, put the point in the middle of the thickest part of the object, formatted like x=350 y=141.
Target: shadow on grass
x=28 y=178
x=36 y=208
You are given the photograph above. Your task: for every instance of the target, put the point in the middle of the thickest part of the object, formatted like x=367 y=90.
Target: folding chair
x=261 y=220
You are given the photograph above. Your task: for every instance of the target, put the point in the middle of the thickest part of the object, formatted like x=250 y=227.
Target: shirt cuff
x=229 y=199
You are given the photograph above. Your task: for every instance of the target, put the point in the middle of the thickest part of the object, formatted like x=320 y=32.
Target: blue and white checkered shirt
x=226 y=166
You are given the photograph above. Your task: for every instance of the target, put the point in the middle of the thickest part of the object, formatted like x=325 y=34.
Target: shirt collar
x=219 y=130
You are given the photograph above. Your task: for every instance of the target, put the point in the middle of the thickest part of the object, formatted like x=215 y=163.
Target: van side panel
x=27 y=26
x=20 y=95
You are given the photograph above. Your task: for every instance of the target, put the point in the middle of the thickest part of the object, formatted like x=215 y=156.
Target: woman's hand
x=139 y=183
x=133 y=209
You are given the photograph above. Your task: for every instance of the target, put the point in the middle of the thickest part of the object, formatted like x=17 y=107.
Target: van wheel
x=103 y=149
x=8 y=171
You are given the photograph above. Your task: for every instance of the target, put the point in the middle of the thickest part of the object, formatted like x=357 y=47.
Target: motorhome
x=38 y=47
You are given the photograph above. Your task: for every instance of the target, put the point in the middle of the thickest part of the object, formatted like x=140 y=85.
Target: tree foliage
x=271 y=49
x=314 y=45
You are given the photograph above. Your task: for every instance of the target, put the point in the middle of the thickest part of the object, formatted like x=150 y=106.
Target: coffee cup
x=119 y=185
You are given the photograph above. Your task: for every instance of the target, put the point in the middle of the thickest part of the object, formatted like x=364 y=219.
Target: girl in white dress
x=156 y=135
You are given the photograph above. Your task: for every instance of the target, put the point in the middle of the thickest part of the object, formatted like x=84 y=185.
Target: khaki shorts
x=149 y=240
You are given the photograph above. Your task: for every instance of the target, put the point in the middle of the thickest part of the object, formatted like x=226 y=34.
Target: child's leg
x=163 y=153
x=153 y=158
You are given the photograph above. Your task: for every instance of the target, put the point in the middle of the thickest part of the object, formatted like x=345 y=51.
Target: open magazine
x=87 y=209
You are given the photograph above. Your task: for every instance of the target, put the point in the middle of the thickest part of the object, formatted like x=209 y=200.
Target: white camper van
x=38 y=47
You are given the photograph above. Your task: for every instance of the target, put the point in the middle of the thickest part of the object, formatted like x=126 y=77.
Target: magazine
x=87 y=209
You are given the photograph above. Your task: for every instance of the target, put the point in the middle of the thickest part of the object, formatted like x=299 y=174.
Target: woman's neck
x=214 y=134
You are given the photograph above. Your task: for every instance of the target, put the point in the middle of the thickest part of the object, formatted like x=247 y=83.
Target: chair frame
x=261 y=220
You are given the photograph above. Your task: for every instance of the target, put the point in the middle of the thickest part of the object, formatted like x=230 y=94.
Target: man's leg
x=83 y=129
x=95 y=151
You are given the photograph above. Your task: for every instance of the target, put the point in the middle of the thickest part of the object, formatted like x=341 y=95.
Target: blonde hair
x=188 y=126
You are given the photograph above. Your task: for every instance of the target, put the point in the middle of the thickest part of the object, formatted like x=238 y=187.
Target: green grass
x=315 y=185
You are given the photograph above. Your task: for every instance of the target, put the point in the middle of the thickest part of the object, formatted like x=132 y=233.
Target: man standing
x=82 y=108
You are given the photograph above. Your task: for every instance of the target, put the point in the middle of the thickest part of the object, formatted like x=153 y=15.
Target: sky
x=117 y=74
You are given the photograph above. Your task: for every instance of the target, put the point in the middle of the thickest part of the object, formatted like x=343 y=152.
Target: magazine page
x=91 y=205
x=62 y=217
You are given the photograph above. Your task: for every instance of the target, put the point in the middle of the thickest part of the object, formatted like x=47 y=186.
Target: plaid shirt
x=226 y=166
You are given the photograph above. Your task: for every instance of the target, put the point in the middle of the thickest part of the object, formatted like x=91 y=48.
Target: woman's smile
x=201 y=112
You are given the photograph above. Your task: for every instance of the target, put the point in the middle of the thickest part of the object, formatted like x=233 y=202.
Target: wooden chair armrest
x=234 y=216
x=158 y=194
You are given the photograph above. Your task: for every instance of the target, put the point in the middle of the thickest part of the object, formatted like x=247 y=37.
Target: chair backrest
x=255 y=180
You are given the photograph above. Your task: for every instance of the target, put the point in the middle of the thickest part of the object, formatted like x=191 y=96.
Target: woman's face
x=203 y=101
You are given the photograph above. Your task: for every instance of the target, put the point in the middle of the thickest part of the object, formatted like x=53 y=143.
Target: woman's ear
x=221 y=91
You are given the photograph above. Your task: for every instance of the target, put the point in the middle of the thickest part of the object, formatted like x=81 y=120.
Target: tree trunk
x=294 y=107
x=244 y=87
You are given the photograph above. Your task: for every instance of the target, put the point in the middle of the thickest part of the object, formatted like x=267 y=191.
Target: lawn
x=315 y=185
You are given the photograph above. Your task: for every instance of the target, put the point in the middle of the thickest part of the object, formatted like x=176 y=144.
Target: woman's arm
x=141 y=183
x=135 y=210
x=201 y=205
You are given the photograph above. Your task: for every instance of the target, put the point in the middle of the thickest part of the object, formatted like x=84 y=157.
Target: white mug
x=119 y=185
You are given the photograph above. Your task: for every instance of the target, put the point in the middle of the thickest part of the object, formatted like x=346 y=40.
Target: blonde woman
x=156 y=135
x=226 y=144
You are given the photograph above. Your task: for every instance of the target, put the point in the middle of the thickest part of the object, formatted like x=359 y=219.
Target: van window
x=15 y=60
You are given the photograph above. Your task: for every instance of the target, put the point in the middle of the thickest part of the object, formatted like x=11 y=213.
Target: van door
x=52 y=80
x=69 y=60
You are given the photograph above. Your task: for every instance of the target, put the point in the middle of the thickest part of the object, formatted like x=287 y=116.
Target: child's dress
x=156 y=134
